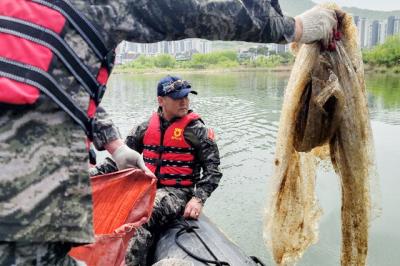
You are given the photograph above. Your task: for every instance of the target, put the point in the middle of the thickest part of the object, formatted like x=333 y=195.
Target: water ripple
x=244 y=110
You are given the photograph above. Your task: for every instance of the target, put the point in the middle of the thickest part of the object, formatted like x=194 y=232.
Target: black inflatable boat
x=201 y=243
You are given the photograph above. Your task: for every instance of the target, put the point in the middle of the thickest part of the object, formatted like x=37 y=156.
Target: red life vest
x=30 y=35
x=169 y=156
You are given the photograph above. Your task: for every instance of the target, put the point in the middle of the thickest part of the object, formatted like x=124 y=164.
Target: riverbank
x=381 y=69
x=281 y=69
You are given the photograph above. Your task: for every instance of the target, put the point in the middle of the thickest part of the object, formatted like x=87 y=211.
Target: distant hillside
x=295 y=7
x=289 y=7
x=372 y=14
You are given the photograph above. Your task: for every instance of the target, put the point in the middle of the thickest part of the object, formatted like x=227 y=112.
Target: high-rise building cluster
x=370 y=33
x=128 y=51
x=374 y=32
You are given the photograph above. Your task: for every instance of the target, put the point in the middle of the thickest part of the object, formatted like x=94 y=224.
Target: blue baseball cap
x=174 y=87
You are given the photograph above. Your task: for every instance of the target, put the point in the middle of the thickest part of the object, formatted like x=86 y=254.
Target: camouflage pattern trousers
x=169 y=204
x=37 y=254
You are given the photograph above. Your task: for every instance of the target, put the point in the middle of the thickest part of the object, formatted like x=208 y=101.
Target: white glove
x=125 y=157
x=318 y=24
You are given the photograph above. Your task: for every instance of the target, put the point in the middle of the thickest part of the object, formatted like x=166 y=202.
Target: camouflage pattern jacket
x=206 y=155
x=45 y=193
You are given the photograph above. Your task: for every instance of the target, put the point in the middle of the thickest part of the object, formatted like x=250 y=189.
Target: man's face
x=173 y=107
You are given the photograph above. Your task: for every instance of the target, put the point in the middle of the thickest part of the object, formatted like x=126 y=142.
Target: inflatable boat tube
x=201 y=243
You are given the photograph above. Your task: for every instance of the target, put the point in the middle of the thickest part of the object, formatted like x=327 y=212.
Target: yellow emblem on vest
x=177 y=134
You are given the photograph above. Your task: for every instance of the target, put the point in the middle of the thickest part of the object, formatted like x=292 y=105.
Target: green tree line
x=219 y=59
x=386 y=54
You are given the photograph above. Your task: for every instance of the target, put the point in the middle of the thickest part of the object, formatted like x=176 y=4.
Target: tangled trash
x=324 y=116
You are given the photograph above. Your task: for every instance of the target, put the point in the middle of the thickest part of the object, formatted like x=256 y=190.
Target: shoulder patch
x=211 y=134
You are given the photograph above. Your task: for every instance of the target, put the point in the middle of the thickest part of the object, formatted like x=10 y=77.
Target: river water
x=244 y=109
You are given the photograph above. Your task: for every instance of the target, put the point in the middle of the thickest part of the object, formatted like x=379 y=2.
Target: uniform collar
x=165 y=122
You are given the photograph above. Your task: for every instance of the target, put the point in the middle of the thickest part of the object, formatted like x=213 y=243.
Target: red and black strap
x=45 y=83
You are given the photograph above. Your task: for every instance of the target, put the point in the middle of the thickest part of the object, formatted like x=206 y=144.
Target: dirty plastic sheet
x=122 y=201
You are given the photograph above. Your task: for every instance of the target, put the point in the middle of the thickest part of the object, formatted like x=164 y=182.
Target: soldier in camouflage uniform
x=172 y=199
x=45 y=194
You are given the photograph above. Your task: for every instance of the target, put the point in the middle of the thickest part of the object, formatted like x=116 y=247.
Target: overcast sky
x=385 y=5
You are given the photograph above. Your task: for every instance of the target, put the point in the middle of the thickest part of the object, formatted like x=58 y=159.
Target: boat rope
x=257 y=260
x=187 y=228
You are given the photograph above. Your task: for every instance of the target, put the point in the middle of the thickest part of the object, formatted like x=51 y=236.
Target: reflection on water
x=244 y=109
x=384 y=98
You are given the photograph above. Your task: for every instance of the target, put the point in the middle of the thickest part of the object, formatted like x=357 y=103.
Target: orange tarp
x=122 y=201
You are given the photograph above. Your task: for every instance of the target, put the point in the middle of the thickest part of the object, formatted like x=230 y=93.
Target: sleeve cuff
x=201 y=194
x=290 y=29
x=104 y=136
